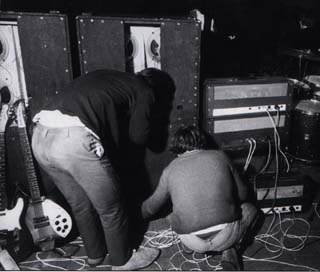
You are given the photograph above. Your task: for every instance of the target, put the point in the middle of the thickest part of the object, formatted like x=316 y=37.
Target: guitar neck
x=3 y=193
x=29 y=165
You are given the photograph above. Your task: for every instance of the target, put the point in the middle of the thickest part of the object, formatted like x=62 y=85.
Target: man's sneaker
x=230 y=260
x=141 y=258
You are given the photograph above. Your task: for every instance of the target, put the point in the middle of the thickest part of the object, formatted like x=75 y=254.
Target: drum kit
x=305 y=139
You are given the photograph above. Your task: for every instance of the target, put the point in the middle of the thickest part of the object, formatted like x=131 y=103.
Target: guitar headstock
x=21 y=114
x=17 y=112
x=4 y=117
x=5 y=97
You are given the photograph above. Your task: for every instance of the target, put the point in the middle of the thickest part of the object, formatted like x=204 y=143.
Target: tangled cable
x=168 y=238
x=79 y=261
x=277 y=138
x=161 y=239
x=252 y=148
x=274 y=244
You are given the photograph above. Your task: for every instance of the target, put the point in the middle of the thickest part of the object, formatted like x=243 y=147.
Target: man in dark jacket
x=210 y=211
x=76 y=140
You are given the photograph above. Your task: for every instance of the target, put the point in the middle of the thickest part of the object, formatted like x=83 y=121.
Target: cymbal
x=299 y=83
x=301 y=53
x=313 y=79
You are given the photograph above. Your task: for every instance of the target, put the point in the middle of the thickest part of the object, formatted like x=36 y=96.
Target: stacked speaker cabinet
x=238 y=110
x=132 y=44
x=35 y=63
x=35 y=55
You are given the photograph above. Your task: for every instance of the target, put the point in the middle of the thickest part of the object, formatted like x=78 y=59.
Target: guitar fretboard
x=29 y=165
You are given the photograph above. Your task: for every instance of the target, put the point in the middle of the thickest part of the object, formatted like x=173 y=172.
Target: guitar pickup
x=40 y=222
x=40 y=219
x=41 y=225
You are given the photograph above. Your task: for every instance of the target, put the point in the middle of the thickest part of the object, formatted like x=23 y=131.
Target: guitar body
x=10 y=219
x=47 y=221
x=20 y=243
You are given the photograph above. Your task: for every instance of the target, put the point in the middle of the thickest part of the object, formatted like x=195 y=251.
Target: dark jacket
x=112 y=104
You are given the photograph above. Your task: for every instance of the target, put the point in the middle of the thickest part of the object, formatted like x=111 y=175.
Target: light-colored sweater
x=204 y=188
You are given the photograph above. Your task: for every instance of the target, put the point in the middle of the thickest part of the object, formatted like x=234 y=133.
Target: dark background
x=261 y=28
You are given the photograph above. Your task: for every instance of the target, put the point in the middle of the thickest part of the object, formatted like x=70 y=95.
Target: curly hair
x=187 y=139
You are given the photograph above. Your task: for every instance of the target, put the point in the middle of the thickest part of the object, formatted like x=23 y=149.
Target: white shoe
x=141 y=258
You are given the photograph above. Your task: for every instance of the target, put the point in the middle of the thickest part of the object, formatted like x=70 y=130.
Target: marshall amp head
x=237 y=110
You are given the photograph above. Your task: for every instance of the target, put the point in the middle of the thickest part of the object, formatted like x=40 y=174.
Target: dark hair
x=161 y=83
x=187 y=139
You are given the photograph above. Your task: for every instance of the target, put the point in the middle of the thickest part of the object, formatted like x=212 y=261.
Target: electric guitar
x=45 y=219
x=9 y=219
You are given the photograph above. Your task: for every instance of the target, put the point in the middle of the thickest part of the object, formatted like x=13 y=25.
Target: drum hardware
x=302 y=54
x=306 y=54
x=301 y=90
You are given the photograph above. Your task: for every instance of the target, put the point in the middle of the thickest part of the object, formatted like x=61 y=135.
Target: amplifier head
x=236 y=110
x=291 y=191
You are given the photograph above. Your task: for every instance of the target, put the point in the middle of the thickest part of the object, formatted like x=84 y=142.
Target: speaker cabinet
x=35 y=64
x=143 y=45
x=36 y=55
x=11 y=65
x=131 y=44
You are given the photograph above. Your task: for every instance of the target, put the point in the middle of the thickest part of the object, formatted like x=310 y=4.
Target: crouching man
x=210 y=211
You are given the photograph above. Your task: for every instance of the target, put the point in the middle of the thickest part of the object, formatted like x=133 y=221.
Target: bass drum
x=305 y=143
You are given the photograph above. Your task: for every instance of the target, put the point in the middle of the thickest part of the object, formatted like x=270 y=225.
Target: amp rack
x=235 y=110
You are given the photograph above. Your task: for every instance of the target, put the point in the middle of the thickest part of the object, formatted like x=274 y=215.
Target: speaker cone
x=3 y=48
x=132 y=47
x=153 y=46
